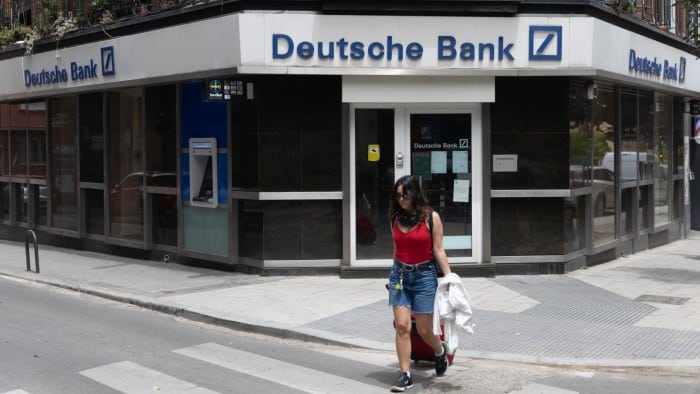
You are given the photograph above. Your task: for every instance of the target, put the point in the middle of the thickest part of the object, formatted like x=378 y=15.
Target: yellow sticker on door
x=373 y=152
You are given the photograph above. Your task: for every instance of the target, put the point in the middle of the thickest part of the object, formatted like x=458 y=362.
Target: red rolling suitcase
x=421 y=351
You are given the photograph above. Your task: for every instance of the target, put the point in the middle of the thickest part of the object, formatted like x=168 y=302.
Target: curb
x=678 y=365
x=280 y=333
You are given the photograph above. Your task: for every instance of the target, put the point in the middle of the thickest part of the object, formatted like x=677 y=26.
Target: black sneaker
x=441 y=362
x=403 y=383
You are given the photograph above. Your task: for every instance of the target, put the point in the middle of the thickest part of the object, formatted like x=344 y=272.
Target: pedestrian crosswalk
x=300 y=378
x=128 y=377
x=133 y=378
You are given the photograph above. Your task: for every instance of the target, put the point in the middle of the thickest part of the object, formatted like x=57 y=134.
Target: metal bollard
x=36 y=249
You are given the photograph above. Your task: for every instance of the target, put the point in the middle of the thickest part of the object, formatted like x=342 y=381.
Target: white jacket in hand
x=453 y=307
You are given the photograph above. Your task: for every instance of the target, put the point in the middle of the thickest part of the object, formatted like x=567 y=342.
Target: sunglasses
x=405 y=196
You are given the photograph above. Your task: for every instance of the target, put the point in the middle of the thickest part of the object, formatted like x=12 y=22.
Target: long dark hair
x=420 y=205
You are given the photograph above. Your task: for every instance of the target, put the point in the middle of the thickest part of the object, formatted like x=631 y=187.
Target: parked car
x=631 y=168
x=603 y=190
x=42 y=194
x=126 y=197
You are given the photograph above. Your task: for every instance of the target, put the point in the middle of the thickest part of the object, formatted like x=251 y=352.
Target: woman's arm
x=438 y=248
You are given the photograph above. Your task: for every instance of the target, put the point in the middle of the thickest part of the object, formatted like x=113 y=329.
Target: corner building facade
x=269 y=141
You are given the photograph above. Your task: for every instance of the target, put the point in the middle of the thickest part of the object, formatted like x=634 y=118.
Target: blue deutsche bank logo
x=108 y=63
x=545 y=43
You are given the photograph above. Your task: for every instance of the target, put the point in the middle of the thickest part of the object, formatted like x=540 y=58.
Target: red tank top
x=415 y=246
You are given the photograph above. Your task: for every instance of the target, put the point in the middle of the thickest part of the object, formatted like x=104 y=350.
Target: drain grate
x=662 y=299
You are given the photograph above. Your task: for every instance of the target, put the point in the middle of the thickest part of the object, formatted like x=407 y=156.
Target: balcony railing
x=18 y=17
x=14 y=13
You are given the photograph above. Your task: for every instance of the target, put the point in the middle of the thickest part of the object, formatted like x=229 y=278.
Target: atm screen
x=205 y=190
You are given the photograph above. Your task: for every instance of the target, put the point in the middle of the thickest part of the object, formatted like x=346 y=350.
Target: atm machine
x=203 y=173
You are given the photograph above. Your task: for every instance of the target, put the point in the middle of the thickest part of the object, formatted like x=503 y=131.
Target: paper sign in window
x=461 y=190
x=460 y=161
x=421 y=164
x=438 y=162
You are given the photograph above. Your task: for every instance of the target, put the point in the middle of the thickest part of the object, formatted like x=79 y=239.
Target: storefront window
x=647 y=161
x=534 y=127
x=604 y=183
x=64 y=191
x=91 y=138
x=574 y=223
x=36 y=141
x=374 y=180
x=299 y=136
x=291 y=230
x=678 y=158
x=4 y=201
x=678 y=200
x=663 y=110
x=18 y=140
x=4 y=139
x=532 y=226
x=94 y=211
x=579 y=135
x=126 y=177
x=5 y=161
x=678 y=146
x=21 y=191
x=628 y=160
x=160 y=117
x=161 y=180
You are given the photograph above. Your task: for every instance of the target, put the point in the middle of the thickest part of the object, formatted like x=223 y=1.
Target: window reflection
x=662 y=130
x=18 y=140
x=21 y=191
x=628 y=158
x=580 y=136
x=91 y=138
x=4 y=201
x=574 y=223
x=160 y=117
x=647 y=161
x=603 y=187
x=64 y=192
x=533 y=226
x=94 y=211
x=4 y=139
x=374 y=181
x=126 y=166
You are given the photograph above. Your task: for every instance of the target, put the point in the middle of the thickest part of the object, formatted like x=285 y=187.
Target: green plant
x=692 y=8
x=12 y=35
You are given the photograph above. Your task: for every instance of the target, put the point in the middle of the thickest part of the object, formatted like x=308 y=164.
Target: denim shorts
x=418 y=290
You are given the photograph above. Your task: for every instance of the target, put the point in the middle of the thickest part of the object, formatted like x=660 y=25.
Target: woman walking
x=413 y=278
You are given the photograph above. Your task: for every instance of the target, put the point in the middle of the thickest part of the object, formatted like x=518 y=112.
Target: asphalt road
x=56 y=341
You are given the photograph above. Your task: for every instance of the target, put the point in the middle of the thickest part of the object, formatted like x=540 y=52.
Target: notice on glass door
x=461 y=190
x=421 y=164
x=460 y=161
x=438 y=162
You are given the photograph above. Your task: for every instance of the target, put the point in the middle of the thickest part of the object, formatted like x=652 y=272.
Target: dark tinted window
x=293 y=128
x=530 y=118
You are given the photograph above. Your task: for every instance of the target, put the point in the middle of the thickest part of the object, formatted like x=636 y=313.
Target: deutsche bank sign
x=76 y=71
x=387 y=48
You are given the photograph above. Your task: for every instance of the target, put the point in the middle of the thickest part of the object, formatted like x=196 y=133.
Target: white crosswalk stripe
x=281 y=372
x=535 y=388
x=18 y=391
x=128 y=377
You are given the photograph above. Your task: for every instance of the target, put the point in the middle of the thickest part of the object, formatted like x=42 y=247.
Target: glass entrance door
x=374 y=174
x=441 y=157
x=436 y=144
